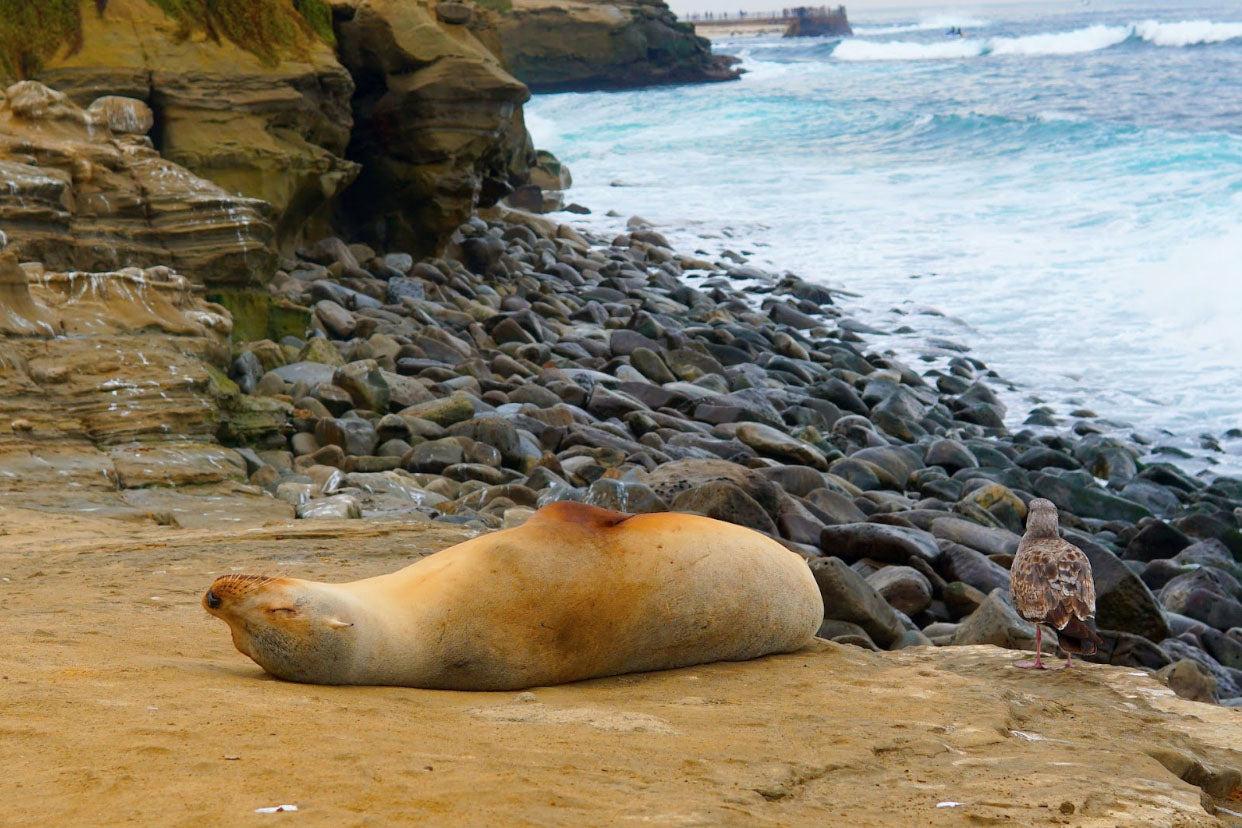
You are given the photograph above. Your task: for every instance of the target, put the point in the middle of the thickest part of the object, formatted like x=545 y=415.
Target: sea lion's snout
x=228 y=592
x=294 y=629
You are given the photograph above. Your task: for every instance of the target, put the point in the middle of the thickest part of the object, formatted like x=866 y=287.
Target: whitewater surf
x=1060 y=192
x=1174 y=34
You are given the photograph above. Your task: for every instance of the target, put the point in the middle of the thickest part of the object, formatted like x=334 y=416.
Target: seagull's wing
x=1054 y=583
x=1028 y=581
x=1072 y=585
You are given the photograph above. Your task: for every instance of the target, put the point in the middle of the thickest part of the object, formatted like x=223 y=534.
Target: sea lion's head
x=296 y=630
x=1042 y=520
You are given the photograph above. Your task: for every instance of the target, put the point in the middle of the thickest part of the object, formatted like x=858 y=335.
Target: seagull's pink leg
x=1038 y=663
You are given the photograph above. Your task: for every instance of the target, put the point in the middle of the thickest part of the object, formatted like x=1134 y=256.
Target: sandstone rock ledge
x=108 y=388
x=84 y=189
x=124 y=702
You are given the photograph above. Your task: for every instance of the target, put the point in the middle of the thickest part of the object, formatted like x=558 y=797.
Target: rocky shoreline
x=269 y=306
x=537 y=363
x=285 y=373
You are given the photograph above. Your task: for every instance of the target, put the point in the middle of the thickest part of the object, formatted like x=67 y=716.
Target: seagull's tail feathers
x=1079 y=637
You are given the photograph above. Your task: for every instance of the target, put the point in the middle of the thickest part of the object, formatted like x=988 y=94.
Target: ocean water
x=1060 y=189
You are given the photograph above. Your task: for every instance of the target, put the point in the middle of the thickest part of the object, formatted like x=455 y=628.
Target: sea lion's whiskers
x=240 y=585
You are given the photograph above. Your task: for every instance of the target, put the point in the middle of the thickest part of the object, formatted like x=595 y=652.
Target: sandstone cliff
x=554 y=45
x=85 y=190
x=106 y=383
x=437 y=120
x=252 y=96
x=268 y=118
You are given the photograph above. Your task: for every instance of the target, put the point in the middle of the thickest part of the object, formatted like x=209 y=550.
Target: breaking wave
x=1077 y=41
x=938 y=22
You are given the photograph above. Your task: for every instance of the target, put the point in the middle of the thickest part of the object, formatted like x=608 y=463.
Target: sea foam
x=1187 y=32
x=935 y=23
x=1073 y=42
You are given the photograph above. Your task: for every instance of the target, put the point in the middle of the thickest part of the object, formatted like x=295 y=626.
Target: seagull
x=1052 y=584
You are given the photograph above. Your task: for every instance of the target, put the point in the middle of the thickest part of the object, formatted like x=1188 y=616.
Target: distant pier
x=797 y=21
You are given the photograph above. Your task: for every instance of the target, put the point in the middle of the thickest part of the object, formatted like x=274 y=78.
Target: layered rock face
x=85 y=190
x=106 y=384
x=438 y=120
x=255 y=99
x=556 y=45
x=268 y=124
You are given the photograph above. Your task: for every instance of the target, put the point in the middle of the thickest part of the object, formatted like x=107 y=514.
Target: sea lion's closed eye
x=282 y=610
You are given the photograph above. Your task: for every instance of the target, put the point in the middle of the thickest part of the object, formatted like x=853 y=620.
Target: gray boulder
x=624 y=496
x=996 y=622
x=726 y=501
x=1206 y=595
x=889 y=544
x=1122 y=601
x=985 y=539
x=904 y=588
x=1078 y=493
x=672 y=479
x=847 y=597
x=961 y=563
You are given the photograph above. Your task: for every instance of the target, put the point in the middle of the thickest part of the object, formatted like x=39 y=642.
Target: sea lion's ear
x=336 y=623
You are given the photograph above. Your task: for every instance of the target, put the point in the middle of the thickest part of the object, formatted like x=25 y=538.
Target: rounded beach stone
x=723 y=500
x=847 y=597
x=905 y=588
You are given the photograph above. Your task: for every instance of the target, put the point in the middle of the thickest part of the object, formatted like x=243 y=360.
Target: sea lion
x=576 y=592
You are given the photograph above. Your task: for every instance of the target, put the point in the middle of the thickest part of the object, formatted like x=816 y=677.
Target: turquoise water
x=1059 y=190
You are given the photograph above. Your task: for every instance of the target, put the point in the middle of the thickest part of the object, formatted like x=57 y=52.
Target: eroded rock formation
x=85 y=190
x=554 y=45
x=438 y=120
x=261 y=105
x=270 y=121
x=106 y=382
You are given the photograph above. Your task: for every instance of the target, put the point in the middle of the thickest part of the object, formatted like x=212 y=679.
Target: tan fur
x=577 y=592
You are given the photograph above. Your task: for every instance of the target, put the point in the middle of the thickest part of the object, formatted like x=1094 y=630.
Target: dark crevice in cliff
x=433 y=138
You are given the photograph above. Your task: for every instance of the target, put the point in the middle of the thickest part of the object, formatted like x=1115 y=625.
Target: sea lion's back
x=579 y=592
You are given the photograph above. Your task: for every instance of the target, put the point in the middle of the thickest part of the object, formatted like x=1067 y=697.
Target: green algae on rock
x=32 y=33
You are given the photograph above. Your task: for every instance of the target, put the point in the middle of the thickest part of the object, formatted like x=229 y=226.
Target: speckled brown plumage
x=1052 y=583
